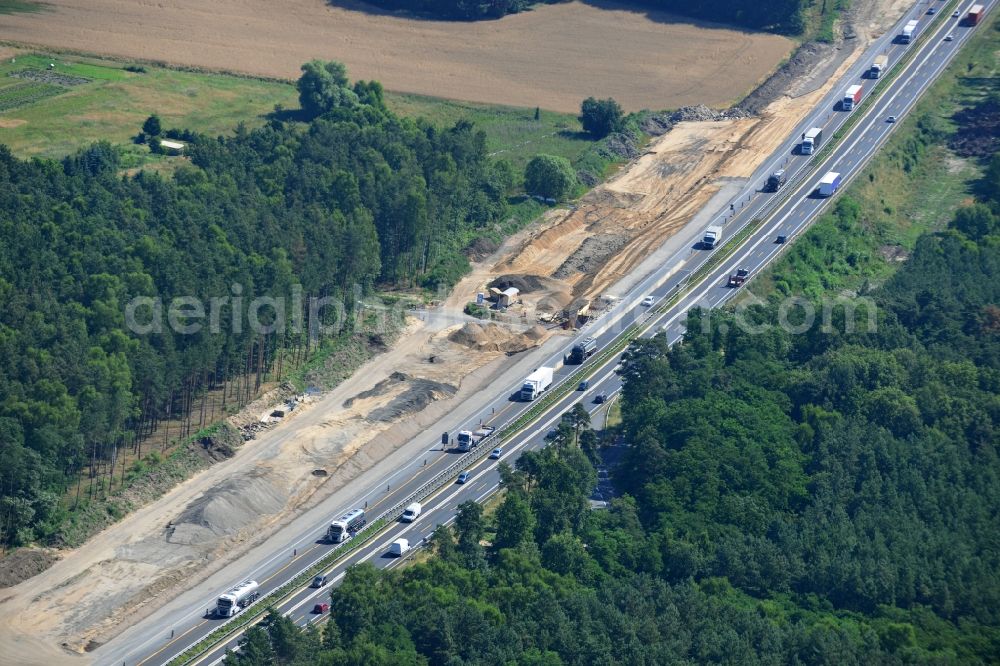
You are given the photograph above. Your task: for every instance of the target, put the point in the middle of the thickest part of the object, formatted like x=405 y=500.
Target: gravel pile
x=591 y=255
x=523 y=283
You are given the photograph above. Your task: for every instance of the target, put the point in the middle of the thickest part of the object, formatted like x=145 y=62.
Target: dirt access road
x=553 y=56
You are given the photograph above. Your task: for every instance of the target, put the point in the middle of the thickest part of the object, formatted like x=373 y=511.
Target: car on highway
x=411 y=513
x=319 y=581
x=781 y=238
x=600 y=398
x=321 y=608
x=463 y=477
x=496 y=453
x=649 y=300
x=949 y=38
x=955 y=14
x=932 y=10
x=890 y=119
x=584 y=385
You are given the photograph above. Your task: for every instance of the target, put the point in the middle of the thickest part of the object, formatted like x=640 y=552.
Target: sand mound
x=494 y=338
x=419 y=394
x=536 y=332
x=227 y=509
x=554 y=302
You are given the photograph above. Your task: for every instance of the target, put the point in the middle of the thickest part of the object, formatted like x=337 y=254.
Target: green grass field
x=115 y=102
x=52 y=121
x=913 y=186
x=512 y=132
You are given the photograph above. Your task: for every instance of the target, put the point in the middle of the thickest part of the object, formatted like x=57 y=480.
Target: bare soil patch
x=24 y=563
x=553 y=56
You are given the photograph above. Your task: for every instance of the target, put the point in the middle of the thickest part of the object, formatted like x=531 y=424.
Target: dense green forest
x=825 y=497
x=784 y=16
x=354 y=198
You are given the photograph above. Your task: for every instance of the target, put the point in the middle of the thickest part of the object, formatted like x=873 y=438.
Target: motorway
x=164 y=635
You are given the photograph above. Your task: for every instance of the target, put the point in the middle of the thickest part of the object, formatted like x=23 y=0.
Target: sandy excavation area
x=577 y=254
x=115 y=579
x=203 y=524
x=553 y=56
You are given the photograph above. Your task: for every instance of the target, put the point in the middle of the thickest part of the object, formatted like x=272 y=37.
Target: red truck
x=975 y=14
x=852 y=97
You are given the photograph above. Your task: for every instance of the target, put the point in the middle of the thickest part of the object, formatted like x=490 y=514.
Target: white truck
x=810 y=140
x=712 y=236
x=536 y=383
x=399 y=547
x=828 y=184
x=906 y=36
x=236 y=599
x=468 y=439
x=346 y=526
x=879 y=66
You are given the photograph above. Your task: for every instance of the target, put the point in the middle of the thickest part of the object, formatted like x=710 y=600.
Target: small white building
x=172 y=146
x=508 y=297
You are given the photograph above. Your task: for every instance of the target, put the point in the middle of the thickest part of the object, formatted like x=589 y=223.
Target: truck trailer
x=712 y=236
x=975 y=14
x=906 y=36
x=852 y=97
x=582 y=351
x=536 y=383
x=236 y=599
x=828 y=184
x=879 y=65
x=468 y=439
x=811 y=140
x=346 y=526
x=775 y=181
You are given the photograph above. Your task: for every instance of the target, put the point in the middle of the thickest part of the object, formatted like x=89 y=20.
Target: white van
x=411 y=513
x=399 y=547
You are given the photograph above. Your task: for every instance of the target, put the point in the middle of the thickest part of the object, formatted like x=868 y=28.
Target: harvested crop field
x=552 y=56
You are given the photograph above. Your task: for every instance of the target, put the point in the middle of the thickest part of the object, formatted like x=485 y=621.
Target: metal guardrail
x=808 y=169
x=559 y=390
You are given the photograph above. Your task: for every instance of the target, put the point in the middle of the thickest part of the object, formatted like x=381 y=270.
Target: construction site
x=552 y=276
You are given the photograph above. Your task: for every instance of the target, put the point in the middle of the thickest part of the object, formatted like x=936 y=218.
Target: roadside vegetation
x=828 y=497
x=824 y=497
x=930 y=167
x=401 y=210
x=272 y=210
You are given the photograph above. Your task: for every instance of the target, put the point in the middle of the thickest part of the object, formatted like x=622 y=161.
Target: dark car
x=584 y=385
x=600 y=398
x=321 y=608
x=781 y=238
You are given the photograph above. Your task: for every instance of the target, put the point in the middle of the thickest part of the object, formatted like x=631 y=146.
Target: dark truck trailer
x=582 y=351
x=775 y=181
